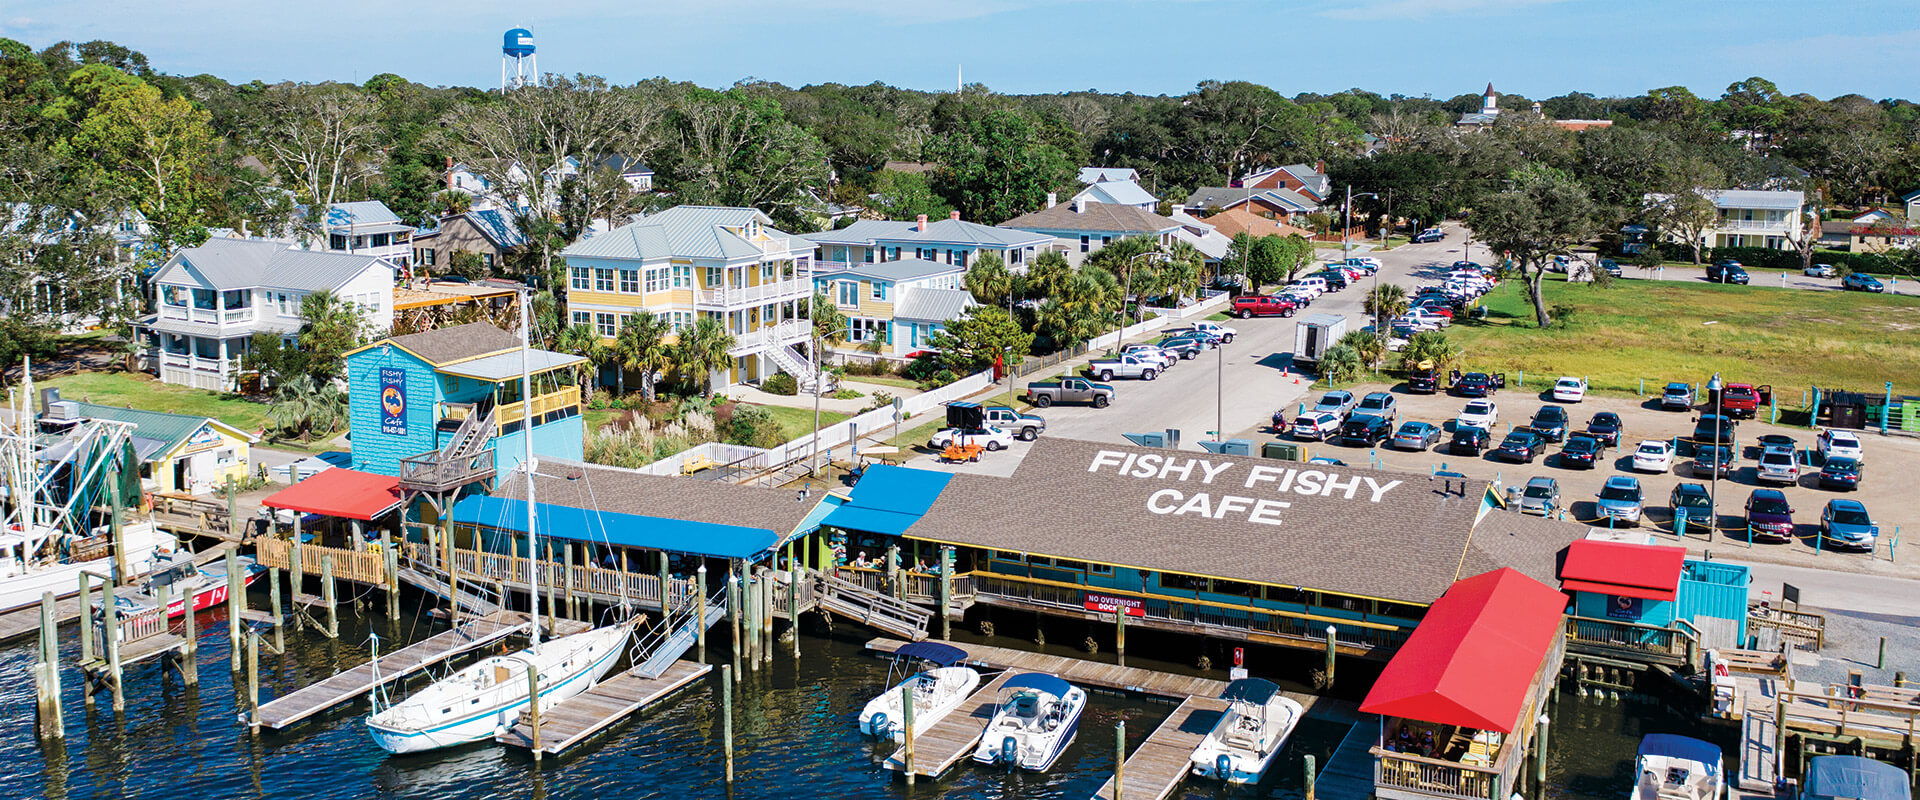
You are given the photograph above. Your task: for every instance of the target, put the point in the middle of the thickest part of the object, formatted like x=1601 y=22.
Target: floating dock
x=300 y=704
x=584 y=715
x=1348 y=774
x=1161 y=762
x=953 y=738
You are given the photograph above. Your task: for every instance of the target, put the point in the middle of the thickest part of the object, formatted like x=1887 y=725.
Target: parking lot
x=1885 y=491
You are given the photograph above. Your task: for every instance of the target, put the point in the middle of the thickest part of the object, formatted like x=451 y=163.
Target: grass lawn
x=884 y=380
x=1661 y=331
x=798 y=422
x=1219 y=316
x=915 y=436
x=135 y=390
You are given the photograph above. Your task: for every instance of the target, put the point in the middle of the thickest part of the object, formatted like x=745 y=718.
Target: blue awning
x=944 y=655
x=1677 y=746
x=1040 y=681
x=889 y=499
x=1251 y=690
x=1854 y=778
x=622 y=530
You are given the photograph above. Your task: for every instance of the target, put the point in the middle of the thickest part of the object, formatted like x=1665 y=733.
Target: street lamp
x=1346 y=218
x=1720 y=459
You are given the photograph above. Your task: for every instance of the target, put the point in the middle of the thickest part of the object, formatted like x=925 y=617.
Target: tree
x=702 y=351
x=906 y=195
x=829 y=325
x=734 y=148
x=329 y=326
x=994 y=163
x=322 y=139
x=1432 y=348
x=989 y=280
x=642 y=347
x=1545 y=214
x=1369 y=347
x=142 y=145
x=983 y=335
x=1047 y=275
x=272 y=360
x=467 y=264
x=582 y=340
x=1340 y=363
x=1288 y=253
x=304 y=408
x=1384 y=302
x=1684 y=207
x=1081 y=309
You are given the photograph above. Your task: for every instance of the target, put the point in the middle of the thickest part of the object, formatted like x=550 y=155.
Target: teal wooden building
x=421 y=394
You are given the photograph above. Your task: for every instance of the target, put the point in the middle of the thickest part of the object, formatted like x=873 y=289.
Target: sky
x=1443 y=48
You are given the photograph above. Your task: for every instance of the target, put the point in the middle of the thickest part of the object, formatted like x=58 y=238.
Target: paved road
x=1760 y=277
x=1839 y=591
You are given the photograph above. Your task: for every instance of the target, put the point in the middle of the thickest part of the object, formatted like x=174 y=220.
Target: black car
x=1423 y=381
x=1840 y=473
x=1693 y=501
x=1474 y=384
x=1468 y=441
x=1611 y=266
x=1862 y=282
x=1709 y=459
x=1728 y=271
x=1336 y=280
x=1364 y=430
x=1713 y=429
x=1583 y=451
x=1550 y=422
x=1521 y=446
x=1607 y=427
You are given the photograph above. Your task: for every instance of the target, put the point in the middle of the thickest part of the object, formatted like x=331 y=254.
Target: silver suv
x=1778 y=466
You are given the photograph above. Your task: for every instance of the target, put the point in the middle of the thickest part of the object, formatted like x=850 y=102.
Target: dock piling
x=733 y=613
x=46 y=674
x=1120 y=636
x=533 y=708
x=1331 y=652
x=766 y=616
x=236 y=607
x=793 y=604
x=253 y=681
x=1311 y=775
x=329 y=597
x=906 y=723
x=700 y=600
x=391 y=558
x=296 y=578
x=946 y=591
x=112 y=614
x=273 y=608
x=666 y=587
x=86 y=623
x=726 y=717
x=1120 y=760
x=190 y=650
x=1540 y=756
x=566 y=581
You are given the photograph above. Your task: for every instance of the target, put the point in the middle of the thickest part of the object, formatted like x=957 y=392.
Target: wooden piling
x=566 y=580
x=173 y=657
x=273 y=607
x=733 y=613
x=726 y=717
x=946 y=592
x=253 y=681
x=1310 y=777
x=329 y=596
x=666 y=587
x=236 y=607
x=46 y=674
x=112 y=614
x=533 y=708
x=115 y=525
x=296 y=578
x=906 y=720
x=894 y=583
x=392 y=559
x=190 y=650
x=1120 y=757
x=1331 y=653
x=1540 y=755
x=700 y=604
x=453 y=575
x=766 y=616
x=793 y=601
x=86 y=622
x=553 y=592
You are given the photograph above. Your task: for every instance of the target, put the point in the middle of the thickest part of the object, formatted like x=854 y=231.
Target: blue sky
x=1538 y=48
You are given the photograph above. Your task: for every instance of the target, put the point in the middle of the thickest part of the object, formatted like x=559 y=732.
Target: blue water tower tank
x=518 y=43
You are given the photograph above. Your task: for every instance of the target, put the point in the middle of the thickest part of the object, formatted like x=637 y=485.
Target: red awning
x=340 y=492
x=1473 y=656
x=1648 y=571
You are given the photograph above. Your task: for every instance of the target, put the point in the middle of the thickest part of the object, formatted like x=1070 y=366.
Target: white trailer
x=1313 y=334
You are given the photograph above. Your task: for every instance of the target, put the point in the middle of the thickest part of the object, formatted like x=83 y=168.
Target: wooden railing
x=594 y=582
x=360 y=566
x=1435 y=776
x=1803 y=629
x=1630 y=638
x=142 y=625
x=514 y=412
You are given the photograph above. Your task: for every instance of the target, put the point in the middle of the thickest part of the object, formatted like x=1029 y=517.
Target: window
x=715 y=277
x=602 y=279
x=866 y=330
x=223 y=457
x=486 y=259
x=1086 y=243
x=1015 y=256
x=895 y=254
x=605 y=322
x=630 y=281
x=682 y=276
x=767 y=273
x=849 y=293
x=381 y=240
x=866 y=255
x=681 y=320
x=1099 y=569
x=430 y=256
x=657 y=279
x=582 y=318
x=580 y=277
x=1106 y=240
x=336 y=242
x=879 y=290
x=173 y=295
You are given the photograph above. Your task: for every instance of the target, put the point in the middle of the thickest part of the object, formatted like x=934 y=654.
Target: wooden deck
x=953 y=738
x=1158 y=765
x=302 y=703
x=1754 y=701
x=1348 y=774
x=26 y=621
x=1122 y=679
x=584 y=715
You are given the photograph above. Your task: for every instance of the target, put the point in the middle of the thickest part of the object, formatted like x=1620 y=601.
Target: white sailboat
x=937 y=690
x=1035 y=723
x=489 y=696
x=1250 y=733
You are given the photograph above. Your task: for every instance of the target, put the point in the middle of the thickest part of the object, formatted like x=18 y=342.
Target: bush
x=600 y=398
x=1341 y=364
x=780 y=383
x=880 y=400
x=753 y=426
x=848 y=394
x=938 y=379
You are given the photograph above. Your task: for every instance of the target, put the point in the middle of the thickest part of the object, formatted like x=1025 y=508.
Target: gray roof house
x=951 y=240
x=1079 y=228
x=368 y=227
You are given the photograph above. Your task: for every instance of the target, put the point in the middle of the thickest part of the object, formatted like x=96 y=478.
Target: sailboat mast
x=526 y=464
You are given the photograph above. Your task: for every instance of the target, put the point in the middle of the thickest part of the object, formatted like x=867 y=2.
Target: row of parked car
x=1289 y=300
x=1728 y=270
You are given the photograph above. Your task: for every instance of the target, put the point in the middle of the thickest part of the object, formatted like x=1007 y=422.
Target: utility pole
x=813 y=461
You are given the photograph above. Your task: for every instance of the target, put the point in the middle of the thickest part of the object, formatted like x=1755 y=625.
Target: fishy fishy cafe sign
x=1228 y=489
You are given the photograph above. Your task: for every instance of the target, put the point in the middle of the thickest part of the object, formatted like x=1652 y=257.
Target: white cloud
x=1416 y=9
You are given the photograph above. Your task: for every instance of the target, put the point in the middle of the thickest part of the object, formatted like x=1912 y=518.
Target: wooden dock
x=26 y=621
x=313 y=699
x=953 y=738
x=1117 y=678
x=1348 y=774
x=587 y=714
x=1161 y=762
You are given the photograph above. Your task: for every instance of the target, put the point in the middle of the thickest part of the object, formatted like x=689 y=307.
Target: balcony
x=793 y=331
x=786 y=289
x=206 y=316
x=1770 y=225
x=566 y=396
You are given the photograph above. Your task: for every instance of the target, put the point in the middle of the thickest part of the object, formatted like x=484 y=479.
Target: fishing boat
x=36 y=559
x=486 y=697
x=1853 y=778
x=1673 y=767
x=1034 y=723
x=1250 y=733
x=181 y=582
x=938 y=684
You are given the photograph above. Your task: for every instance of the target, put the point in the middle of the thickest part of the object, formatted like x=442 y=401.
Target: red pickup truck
x=1741 y=400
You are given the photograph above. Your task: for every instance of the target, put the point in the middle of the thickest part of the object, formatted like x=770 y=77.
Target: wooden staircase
x=873 y=609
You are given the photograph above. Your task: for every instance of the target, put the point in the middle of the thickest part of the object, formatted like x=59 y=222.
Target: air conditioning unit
x=63 y=409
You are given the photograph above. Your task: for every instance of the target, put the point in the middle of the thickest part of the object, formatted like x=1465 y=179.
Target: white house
x=1092 y=175
x=369 y=228
x=466 y=180
x=1754 y=218
x=1119 y=193
x=210 y=301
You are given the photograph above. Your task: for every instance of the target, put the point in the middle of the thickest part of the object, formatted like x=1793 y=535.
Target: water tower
x=517 y=65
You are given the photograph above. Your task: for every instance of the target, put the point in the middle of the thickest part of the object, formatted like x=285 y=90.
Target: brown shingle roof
x=1234 y=222
x=1093 y=217
x=1408 y=546
x=591 y=486
x=442 y=346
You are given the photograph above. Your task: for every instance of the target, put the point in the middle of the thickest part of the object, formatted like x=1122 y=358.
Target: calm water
x=793 y=726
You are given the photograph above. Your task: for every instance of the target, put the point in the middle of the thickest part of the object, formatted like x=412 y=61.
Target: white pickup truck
x=1216 y=330
x=1106 y=369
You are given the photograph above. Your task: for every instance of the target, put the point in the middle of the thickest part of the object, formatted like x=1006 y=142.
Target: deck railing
x=1435 y=776
x=514 y=412
x=360 y=566
x=1616 y=636
x=589 y=581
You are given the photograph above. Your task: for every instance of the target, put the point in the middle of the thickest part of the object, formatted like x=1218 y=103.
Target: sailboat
x=1244 y=742
x=489 y=696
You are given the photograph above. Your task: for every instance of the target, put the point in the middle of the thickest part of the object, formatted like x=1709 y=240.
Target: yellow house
x=177 y=452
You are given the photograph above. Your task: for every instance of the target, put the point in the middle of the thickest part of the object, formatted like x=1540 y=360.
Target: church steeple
x=1489 y=102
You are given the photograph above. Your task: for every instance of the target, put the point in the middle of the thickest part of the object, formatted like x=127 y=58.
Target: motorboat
x=184 y=585
x=1034 y=723
x=938 y=684
x=37 y=559
x=1853 y=778
x=1250 y=732
x=1674 y=767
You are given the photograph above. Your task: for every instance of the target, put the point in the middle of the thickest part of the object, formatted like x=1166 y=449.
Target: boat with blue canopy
x=1037 y=718
x=936 y=679
x=1854 y=778
x=1674 y=767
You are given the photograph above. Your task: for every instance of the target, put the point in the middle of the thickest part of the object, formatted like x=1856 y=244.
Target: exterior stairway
x=473 y=597
x=873 y=609
x=464 y=460
x=795 y=363
x=665 y=646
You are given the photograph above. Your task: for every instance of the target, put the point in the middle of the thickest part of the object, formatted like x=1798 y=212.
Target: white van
x=1317 y=285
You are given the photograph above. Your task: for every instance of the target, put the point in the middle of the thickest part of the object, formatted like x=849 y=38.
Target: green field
x=798 y=422
x=1660 y=331
x=134 y=390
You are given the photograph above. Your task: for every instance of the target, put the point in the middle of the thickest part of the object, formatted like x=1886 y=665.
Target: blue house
x=414 y=397
x=1079 y=228
x=897 y=305
x=951 y=241
x=1648 y=584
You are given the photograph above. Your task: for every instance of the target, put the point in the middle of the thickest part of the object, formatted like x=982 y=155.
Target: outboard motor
x=1223 y=767
x=1010 y=751
x=877 y=724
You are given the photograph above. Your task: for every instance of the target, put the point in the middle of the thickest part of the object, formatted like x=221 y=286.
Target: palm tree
x=989 y=280
x=702 y=351
x=829 y=325
x=303 y=407
x=642 y=346
x=330 y=326
x=1384 y=302
x=1047 y=276
x=582 y=340
x=1369 y=347
x=1432 y=347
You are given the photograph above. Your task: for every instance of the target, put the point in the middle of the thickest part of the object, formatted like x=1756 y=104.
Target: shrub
x=938 y=379
x=1341 y=364
x=600 y=398
x=848 y=394
x=753 y=426
x=780 y=383
x=880 y=400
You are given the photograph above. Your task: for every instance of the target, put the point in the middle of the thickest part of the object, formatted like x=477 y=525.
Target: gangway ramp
x=1158 y=765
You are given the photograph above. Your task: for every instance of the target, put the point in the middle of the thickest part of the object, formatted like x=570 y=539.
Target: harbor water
x=794 y=726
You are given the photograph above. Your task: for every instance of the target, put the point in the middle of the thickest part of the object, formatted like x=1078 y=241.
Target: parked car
x=1148 y=352
x=1474 y=384
x=1693 y=501
x=1551 y=423
x=1338 y=402
x=1738 y=400
x=1677 y=397
x=1819 y=271
x=1542 y=496
x=1025 y=427
x=1777 y=441
x=1713 y=429
x=1570 y=390
x=1612 y=267
x=1727 y=270
x=1186 y=347
x=1379 y=404
x=1838 y=444
x=1520 y=446
x=1845 y=523
x=1482 y=414
x=1106 y=369
x=1416 y=435
x=1769 y=516
x=1365 y=430
x=1429 y=235
x=1336 y=279
x=1468 y=441
x=1842 y=474
x=1862 y=282
x=1315 y=426
x=1423 y=381
x=1310 y=283
x=1607 y=427
x=1225 y=333
x=1712 y=459
x=1069 y=390
x=990 y=437
x=1260 y=305
x=1583 y=451
x=1653 y=456
x=1778 y=466
x=1620 y=500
